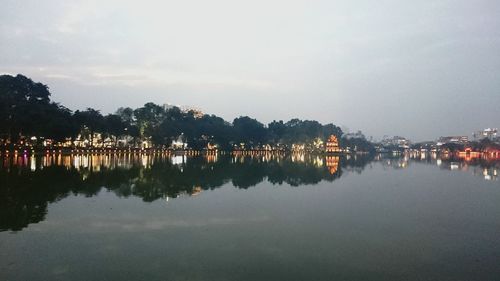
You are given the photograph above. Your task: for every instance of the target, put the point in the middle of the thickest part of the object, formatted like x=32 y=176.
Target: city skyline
x=419 y=70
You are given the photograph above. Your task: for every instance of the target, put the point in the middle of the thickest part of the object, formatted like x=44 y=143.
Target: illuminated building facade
x=488 y=133
x=179 y=143
x=332 y=145
x=453 y=139
x=397 y=141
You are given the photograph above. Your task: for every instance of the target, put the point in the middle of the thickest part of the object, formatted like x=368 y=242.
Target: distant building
x=453 y=139
x=357 y=135
x=179 y=143
x=124 y=141
x=197 y=113
x=398 y=141
x=168 y=106
x=488 y=133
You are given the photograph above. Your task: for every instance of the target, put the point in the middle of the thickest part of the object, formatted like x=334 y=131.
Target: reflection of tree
x=25 y=194
x=296 y=174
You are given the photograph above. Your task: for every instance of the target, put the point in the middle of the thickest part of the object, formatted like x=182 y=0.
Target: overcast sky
x=420 y=69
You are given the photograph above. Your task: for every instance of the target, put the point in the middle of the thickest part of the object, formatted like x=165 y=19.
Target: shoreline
x=152 y=151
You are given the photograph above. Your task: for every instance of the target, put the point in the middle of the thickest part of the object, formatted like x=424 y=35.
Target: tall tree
x=21 y=102
x=249 y=130
x=90 y=119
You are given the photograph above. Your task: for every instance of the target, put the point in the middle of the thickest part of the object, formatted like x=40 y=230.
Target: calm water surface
x=260 y=217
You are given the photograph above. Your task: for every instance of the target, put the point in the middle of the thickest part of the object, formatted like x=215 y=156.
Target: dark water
x=261 y=217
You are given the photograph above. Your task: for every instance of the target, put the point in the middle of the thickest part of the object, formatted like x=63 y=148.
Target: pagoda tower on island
x=332 y=145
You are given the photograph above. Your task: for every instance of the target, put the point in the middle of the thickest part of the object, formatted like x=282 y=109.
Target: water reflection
x=29 y=184
x=487 y=168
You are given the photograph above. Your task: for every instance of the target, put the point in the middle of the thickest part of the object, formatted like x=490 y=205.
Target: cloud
x=323 y=57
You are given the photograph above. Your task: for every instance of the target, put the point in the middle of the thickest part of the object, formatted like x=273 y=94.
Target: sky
x=420 y=69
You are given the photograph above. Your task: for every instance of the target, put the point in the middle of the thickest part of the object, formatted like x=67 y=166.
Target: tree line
x=26 y=111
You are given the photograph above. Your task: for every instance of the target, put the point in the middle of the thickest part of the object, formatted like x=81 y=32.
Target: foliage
x=26 y=111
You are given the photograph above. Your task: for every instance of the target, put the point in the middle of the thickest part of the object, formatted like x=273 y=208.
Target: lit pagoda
x=332 y=145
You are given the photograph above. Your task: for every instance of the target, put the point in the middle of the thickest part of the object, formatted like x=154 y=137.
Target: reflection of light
x=32 y=163
x=85 y=161
x=76 y=161
x=439 y=162
x=465 y=167
x=211 y=157
x=298 y=157
x=332 y=162
x=178 y=159
x=318 y=162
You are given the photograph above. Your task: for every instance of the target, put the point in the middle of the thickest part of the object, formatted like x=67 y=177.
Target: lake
x=249 y=216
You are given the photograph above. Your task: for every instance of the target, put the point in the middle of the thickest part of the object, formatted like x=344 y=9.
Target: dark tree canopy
x=27 y=111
